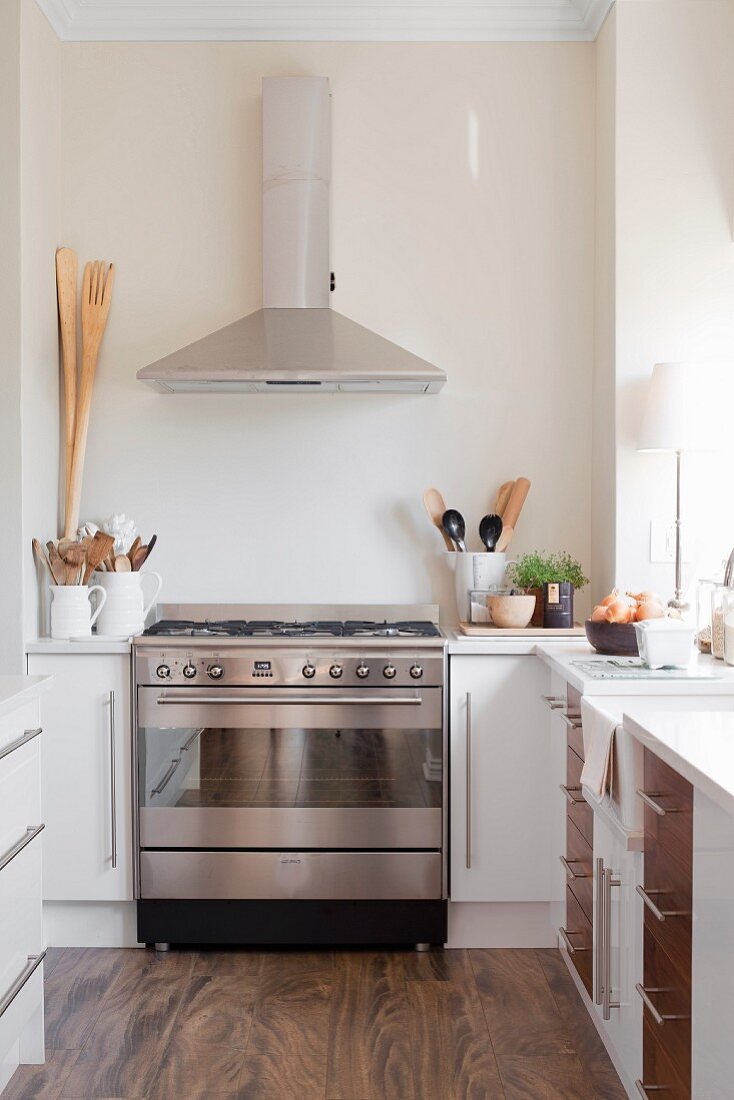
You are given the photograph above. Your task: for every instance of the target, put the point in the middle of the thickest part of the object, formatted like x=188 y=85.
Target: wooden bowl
x=612 y=639
x=511 y=612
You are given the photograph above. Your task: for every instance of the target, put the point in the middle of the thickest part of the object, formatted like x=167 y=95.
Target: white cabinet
x=501 y=801
x=618 y=934
x=86 y=777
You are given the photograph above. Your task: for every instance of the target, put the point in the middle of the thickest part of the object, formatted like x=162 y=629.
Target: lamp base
x=679 y=604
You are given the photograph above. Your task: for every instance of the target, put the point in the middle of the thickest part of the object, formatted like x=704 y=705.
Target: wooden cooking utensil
x=66 y=283
x=38 y=551
x=435 y=507
x=134 y=549
x=122 y=564
x=147 y=550
x=504 y=540
x=96 y=297
x=75 y=559
x=97 y=552
x=503 y=495
x=138 y=558
x=518 y=496
x=56 y=564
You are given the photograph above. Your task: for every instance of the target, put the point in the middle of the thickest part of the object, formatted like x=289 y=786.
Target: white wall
x=603 y=487
x=463 y=228
x=40 y=174
x=675 y=260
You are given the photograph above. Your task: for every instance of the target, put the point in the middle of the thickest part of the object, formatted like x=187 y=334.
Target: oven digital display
x=263 y=666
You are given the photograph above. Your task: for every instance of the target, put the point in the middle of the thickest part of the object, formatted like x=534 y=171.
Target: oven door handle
x=299 y=700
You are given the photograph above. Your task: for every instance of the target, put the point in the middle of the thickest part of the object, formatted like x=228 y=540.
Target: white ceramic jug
x=71 y=611
x=481 y=571
x=125 y=607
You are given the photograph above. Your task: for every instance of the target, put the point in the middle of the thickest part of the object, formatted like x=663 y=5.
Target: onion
x=599 y=614
x=645 y=597
x=610 y=599
x=620 y=612
x=649 y=609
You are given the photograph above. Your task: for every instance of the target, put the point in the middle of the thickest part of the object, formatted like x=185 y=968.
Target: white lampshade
x=673 y=419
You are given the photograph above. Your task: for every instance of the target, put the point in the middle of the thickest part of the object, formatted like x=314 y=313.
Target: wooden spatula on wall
x=96 y=297
x=66 y=283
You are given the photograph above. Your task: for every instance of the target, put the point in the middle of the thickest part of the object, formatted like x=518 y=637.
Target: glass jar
x=719 y=598
x=728 y=617
x=704 y=611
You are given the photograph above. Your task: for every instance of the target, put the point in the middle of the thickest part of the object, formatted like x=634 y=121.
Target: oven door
x=290 y=768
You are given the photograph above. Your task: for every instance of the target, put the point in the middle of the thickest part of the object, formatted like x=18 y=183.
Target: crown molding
x=327 y=20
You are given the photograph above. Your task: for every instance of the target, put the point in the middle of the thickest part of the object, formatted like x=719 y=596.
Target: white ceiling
x=327 y=20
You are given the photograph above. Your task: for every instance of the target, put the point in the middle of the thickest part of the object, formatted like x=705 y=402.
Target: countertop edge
x=16 y=691
x=53 y=645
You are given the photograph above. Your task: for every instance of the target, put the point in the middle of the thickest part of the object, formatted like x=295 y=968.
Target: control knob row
x=336 y=671
x=215 y=672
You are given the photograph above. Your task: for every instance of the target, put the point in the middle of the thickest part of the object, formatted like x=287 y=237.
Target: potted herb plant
x=552 y=579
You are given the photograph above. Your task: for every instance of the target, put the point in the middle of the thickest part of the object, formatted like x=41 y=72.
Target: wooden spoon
x=134 y=549
x=38 y=551
x=518 y=495
x=66 y=283
x=435 y=507
x=97 y=552
x=56 y=563
x=75 y=559
x=503 y=495
x=96 y=298
x=123 y=564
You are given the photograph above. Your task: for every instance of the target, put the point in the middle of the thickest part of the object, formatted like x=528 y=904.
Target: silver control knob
x=363 y=671
x=163 y=672
x=416 y=671
x=336 y=672
x=189 y=671
x=308 y=671
x=389 y=672
x=215 y=671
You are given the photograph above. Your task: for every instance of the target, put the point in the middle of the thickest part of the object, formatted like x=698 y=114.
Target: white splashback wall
x=462 y=228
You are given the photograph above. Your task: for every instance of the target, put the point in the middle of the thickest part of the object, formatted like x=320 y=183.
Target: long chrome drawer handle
x=29 y=735
x=32 y=832
x=34 y=961
x=554 y=702
x=569 y=869
x=299 y=701
x=661 y=914
x=649 y=800
x=645 y=1090
x=658 y=1017
x=565 y=934
x=570 y=794
x=573 y=721
x=167 y=777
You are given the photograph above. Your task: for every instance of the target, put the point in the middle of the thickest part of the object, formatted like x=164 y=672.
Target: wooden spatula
x=435 y=507
x=56 y=564
x=101 y=546
x=43 y=560
x=75 y=559
x=512 y=511
x=96 y=297
x=503 y=495
x=66 y=283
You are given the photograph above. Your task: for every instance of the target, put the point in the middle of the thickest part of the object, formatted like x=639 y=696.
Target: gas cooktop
x=241 y=628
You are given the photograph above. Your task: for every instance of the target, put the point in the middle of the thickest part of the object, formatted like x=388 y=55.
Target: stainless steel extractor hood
x=296 y=343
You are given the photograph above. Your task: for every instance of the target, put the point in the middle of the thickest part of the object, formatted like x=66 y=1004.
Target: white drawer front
x=21 y=909
x=20 y=792
x=27 y=1000
x=16 y=722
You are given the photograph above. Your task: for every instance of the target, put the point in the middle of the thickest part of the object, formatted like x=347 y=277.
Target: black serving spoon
x=454 y=526
x=490 y=530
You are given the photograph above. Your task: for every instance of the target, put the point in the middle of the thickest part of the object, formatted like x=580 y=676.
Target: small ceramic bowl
x=511 y=612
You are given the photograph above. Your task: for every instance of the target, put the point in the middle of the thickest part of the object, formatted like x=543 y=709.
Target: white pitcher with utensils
x=71 y=611
x=125 y=608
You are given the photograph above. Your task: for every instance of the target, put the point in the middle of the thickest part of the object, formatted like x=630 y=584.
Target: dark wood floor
x=476 y=1025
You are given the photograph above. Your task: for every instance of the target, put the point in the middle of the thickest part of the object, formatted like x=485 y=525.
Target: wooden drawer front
x=673 y=1000
x=573 y=699
x=576 y=739
x=666 y=874
x=20 y=793
x=580 y=856
x=579 y=931
x=673 y=830
x=580 y=813
x=658 y=1072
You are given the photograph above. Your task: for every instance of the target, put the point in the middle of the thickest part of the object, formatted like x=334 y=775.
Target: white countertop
x=699 y=745
x=560 y=659
x=89 y=645
x=17 y=690
x=459 y=643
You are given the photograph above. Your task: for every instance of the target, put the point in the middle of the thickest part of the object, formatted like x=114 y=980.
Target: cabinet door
x=501 y=801
x=619 y=953
x=86 y=777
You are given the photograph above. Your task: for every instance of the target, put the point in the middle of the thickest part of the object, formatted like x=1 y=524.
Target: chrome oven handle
x=293 y=701
x=113 y=780
x=468 y=780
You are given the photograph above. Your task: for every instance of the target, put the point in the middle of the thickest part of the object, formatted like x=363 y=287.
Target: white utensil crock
x=71 y=611
x=471 y=571
x=125 y=608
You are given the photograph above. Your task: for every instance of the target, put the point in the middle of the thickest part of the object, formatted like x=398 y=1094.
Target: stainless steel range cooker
x=289 y=775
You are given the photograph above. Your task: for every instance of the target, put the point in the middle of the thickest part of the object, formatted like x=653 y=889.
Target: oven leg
x=423 y=947
x=163 y=947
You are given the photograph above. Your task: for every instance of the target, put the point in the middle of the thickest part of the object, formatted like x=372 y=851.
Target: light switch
x=662 y=542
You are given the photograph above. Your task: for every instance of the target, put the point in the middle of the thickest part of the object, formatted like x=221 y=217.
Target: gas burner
x=391 y=630
x=293 y=630
x=241 y=628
